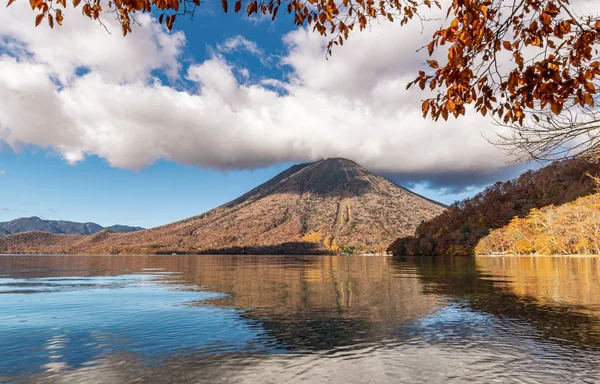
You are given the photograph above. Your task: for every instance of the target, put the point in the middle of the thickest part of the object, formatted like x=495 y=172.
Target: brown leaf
x=433 y=64
x=224 y=5
x=425 y=107
x=38 y=19
x=59 y=17
x=51 y=21
x=170 y=21
x=10 y=2
x=430 y=47
x=238 y=6
x=76 y=3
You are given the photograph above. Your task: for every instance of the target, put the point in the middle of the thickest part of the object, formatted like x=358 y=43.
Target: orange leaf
x=433 y=64
x=51 y=21
x=76 y=3
x=10 y=2
x=59 y=17
x=38 y=19
x=238 y=6
x=425 y=107
x=430 y=47
x=590 y=87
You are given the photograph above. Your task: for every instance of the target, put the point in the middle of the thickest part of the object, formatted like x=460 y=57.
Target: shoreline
x=537 y=255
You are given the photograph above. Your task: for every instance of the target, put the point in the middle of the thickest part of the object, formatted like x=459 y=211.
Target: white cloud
x=80 y=43
x=238 y=43
x=353 y=105
x=2 y=172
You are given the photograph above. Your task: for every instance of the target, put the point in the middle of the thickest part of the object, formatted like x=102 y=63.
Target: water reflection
x=294 y=319
x=502 y=287
x=574 y=282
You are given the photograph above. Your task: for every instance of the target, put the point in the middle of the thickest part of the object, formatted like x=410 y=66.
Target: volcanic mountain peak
x=329 y=177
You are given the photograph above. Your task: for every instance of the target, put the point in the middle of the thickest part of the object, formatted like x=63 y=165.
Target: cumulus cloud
x=354 y=105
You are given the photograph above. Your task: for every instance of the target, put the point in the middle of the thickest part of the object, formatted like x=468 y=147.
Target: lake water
x=287 y=319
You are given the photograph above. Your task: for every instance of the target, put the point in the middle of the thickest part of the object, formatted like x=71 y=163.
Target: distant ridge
x=327 y=206
x=26 y=224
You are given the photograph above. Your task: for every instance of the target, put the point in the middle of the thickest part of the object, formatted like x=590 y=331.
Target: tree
x=571 y=228
x=513 y=59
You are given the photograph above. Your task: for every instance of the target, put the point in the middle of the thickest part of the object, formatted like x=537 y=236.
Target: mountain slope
x=26 y=224
x=332 y=205
x=568 y=229
x=457 y=230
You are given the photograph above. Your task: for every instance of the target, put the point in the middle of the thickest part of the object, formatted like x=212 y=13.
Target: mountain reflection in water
x=278 y=319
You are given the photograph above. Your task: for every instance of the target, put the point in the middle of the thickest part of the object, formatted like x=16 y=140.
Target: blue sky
x=159 y=126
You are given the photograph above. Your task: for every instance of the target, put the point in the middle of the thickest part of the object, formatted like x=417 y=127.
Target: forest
x=569 y=229
x=459 y=229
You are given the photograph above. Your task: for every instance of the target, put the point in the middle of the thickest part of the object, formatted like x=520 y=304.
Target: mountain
x=123 y=228
x=26 y=224
x=328 y=206
x=458 y=230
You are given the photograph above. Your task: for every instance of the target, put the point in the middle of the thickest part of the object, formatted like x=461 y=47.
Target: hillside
x=327 y=206
x=26 y=224
x=568 y=229
x=457 y=231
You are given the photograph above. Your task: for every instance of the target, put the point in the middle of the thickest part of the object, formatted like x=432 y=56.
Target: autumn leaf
x=59 y=17
x=433 y=64
x=224 y=5
x=38 y=19
x=425 y=107
x=170 y=22
x=238 y=6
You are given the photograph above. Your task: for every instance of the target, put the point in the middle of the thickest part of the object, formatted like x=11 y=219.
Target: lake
x=291 y=319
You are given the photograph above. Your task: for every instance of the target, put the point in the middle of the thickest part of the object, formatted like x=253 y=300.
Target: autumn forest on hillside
x=460 y=229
